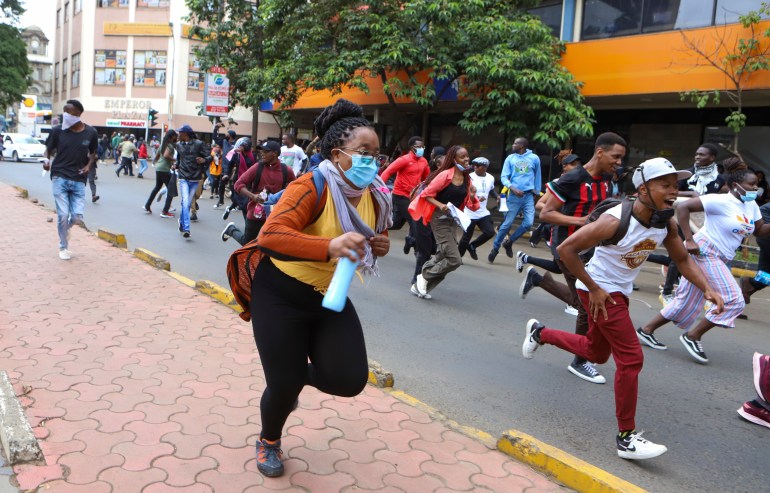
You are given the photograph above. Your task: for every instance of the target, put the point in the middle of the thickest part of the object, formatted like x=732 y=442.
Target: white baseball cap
x=655 y=168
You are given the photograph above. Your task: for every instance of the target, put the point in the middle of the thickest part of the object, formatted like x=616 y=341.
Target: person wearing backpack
x=606 y=282
x=269 y=176
x=241 y=158
x=342 y=209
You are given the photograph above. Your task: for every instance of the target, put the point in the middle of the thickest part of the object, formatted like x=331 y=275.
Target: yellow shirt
x=319 y=274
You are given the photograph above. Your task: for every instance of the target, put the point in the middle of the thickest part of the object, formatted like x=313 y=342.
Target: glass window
x=550 y=14
x=150 y=68
x=195 y=76
x=609 y=18
x=56 y=77
x=66 y=11
x=729 y=10
x=109 y=68
x=58 y=18
x=153 y=4
x=665 y=15
x=123 y=4
x=76 y=70
x=64 y=75
x=78 y=6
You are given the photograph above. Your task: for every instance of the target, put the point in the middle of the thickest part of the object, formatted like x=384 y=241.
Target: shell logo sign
x=29 y=102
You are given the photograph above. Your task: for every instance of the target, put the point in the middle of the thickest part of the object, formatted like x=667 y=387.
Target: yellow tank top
x=319 y=274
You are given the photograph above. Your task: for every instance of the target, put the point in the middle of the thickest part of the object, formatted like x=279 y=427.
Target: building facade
x=634 y=63
x=121 y=58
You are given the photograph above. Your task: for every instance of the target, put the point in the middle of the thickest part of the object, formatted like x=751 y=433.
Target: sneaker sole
x=519 y=263
x=648 y=344
x=753 y=419
x=599 y=379
x=414 y=291
x=522 y=294
x=270 y=473
x=757 y=363
x=692 y=353
x=636 y=456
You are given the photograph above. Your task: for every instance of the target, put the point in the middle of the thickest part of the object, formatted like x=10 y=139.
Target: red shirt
x=142 y=151
x=271 y=179
x=410 y=171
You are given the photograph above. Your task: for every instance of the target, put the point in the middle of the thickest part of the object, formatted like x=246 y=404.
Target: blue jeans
x=525 y=204
x=142 y=166
x=70 y=197
x=186 y=192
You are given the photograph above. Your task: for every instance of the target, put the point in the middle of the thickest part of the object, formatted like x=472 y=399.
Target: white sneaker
x=570 y=310
x=421 y=285
x=636 y=448
x=665 y=299
x=531 y=338
x=65 y=254
x=521 y=259
x=414 y=291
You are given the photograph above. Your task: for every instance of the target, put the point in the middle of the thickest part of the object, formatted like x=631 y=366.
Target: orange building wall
x=653 y=63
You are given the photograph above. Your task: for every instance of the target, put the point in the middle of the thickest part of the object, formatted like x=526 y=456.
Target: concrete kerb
x=16 y=434
x=152 y=258
x=117 y=239
x=561 y=466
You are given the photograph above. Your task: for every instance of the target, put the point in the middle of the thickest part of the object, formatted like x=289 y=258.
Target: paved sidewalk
x=133 y=381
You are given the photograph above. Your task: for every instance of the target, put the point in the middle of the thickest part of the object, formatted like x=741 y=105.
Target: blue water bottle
x=762 y=277
x=337 y=294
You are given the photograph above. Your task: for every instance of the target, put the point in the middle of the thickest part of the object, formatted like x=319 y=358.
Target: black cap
x=569 y=158
x=231 y=133
x=270 y=145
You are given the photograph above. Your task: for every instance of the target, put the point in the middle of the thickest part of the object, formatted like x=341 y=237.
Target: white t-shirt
x=293 y=157
x=615 y=267
x=484 y=185
x=728 y=221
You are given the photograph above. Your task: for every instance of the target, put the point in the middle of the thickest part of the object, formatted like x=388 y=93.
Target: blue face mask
x=463 y=168
x=362 y=172
x=419 y=151
x=747 y=195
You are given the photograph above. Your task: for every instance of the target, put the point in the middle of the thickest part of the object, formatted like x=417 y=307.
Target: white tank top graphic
x=615 y=267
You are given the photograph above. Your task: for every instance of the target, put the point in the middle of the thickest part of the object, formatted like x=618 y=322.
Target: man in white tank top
x=605 y=283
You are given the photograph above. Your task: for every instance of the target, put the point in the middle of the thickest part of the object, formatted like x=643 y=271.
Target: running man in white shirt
x=485 y=186
x=605 y=283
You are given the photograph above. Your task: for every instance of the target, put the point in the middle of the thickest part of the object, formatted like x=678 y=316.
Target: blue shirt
x=522 y=171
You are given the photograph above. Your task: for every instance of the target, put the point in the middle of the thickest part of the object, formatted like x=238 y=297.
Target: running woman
x=450 y=184
x=730 y=217
x=605 y=284
x=300 y=342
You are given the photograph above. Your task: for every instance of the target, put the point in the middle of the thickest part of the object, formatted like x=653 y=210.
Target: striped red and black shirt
x=579 y=193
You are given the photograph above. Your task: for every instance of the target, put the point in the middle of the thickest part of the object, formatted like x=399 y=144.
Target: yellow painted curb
x=23 y=193
x=152 y=258
x=223 y=295
x=743 y=272
x=378 y=376
x=184 y=280
x=565 y=468
x=117 y=239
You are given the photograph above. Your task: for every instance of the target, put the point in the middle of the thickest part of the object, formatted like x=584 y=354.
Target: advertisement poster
x=216 y=94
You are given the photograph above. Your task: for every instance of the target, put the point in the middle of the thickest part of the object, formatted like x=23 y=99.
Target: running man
x=606 y=282
x=485 y=186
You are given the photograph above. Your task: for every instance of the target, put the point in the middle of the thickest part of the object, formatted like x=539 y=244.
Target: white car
x=22 y=146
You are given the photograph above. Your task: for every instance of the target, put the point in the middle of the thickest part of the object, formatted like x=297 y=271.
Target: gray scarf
x=348 y=215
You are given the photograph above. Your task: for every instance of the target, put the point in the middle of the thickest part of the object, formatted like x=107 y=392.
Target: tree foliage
x=499 y=62
x=15 y=69
x=738 y=58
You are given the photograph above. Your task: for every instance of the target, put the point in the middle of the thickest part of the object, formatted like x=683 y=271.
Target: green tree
x=15 y=70
x=502 y=63
x=738 y=58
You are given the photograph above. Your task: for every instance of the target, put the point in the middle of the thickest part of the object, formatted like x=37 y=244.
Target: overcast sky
x=41 y=13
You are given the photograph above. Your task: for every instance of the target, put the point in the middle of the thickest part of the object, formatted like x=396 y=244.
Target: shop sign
x=216 y=94
x=112 y=122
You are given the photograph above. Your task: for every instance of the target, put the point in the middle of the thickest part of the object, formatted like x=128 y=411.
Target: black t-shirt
x=454 y=194
x=579 y=193
x=72 y=150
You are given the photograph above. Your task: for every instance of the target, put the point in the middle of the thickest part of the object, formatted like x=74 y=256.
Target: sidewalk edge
x=565 y=468
x=16 y=434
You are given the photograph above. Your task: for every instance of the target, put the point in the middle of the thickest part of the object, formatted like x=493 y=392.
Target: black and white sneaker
x=530 y=278
x=521 y=259
x=695 y=348
x=226 y=232
x=226 y=214
x=650 y=340
x=587 y=372
x=635 y=447
x=531 y=338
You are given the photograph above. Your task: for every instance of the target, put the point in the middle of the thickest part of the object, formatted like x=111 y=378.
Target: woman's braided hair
x=336 y=123
x=736 y=170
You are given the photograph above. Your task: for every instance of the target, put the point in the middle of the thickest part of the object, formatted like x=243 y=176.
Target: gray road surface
x=460 y=352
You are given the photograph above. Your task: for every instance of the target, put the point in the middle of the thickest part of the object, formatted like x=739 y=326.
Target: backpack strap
x=285 y=175
x=625 y=220
x=257 y=178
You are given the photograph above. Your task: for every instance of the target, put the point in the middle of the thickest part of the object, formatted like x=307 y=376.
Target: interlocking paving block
x=19 y=442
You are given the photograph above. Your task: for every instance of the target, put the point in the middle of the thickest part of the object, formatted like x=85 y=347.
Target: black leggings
x=290 y=326
x=161 y=178
x=487 y=232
